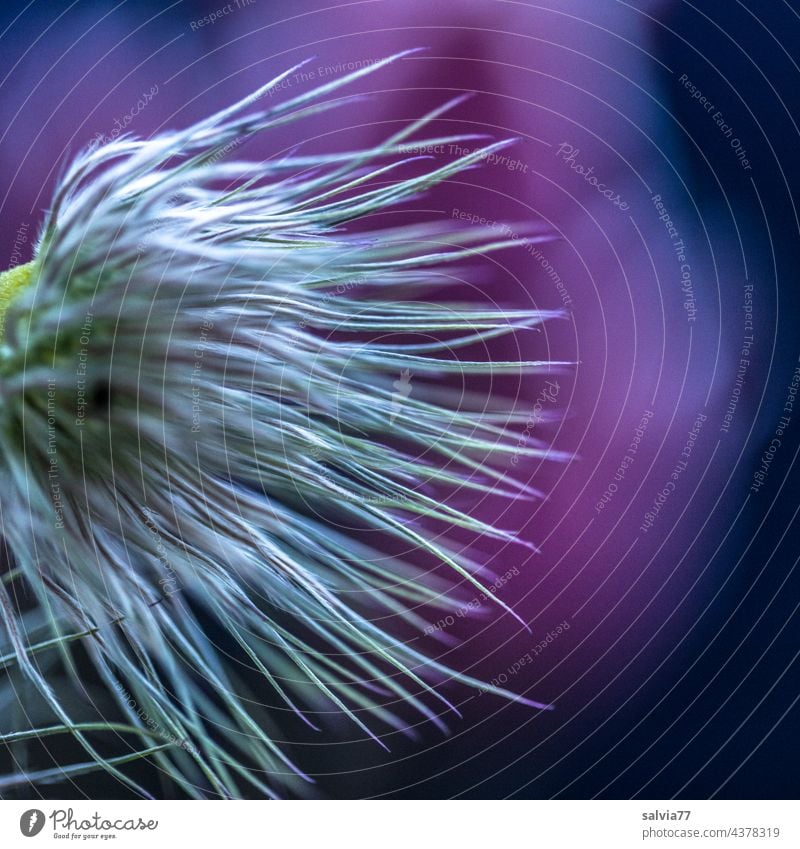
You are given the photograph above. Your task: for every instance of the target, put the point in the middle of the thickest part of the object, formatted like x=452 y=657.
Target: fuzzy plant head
x=215 y=392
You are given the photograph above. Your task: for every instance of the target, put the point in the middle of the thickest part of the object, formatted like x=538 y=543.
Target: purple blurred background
x=677 y=673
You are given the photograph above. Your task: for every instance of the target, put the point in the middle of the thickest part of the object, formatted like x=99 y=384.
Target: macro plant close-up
x=398 y=402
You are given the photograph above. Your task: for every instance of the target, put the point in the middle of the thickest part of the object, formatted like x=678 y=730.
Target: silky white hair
x=200 y=416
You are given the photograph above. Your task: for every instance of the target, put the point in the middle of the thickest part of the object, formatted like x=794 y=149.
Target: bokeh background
x=665 y=638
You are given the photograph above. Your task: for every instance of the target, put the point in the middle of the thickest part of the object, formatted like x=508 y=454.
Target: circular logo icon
x=31 y=822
